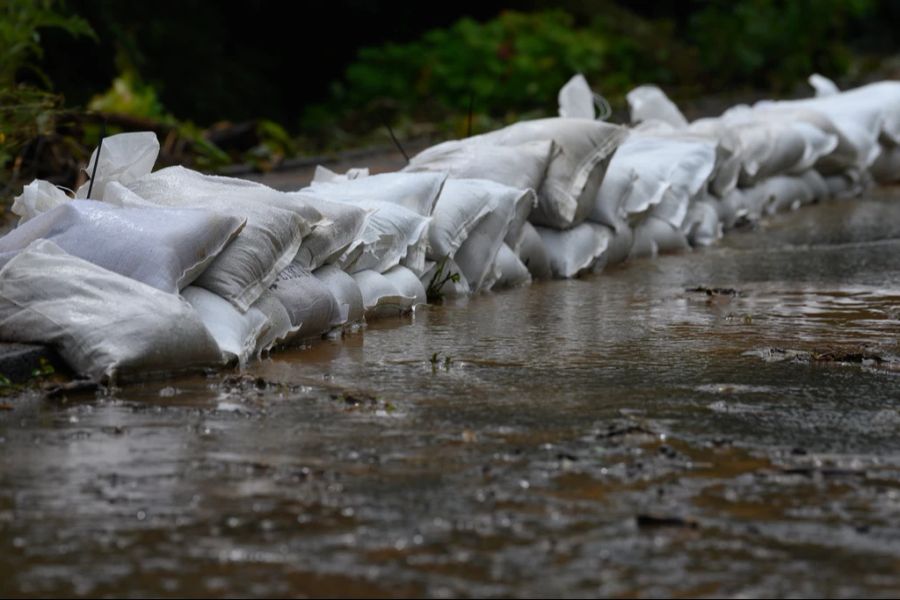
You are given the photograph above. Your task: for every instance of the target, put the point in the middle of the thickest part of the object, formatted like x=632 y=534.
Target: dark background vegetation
x=257 y=81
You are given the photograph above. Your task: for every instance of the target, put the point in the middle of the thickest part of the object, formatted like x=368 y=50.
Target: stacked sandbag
x=104 y=325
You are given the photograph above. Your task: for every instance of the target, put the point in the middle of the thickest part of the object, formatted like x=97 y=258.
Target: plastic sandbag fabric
x=102 y=324
x=165 y=248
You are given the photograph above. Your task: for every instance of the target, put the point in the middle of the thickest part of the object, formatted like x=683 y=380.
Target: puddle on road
x=616 y=435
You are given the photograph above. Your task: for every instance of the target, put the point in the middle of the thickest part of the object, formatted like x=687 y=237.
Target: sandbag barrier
x=148 y=272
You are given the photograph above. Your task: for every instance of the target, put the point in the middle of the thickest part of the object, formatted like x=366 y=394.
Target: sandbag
x=576 y=99
x=279 y=328
x=124 y=157
x=575 y=172
x=521 y=166
x=102 y=324
x=511 y=272
x=312 y=307
x=701 y=224
x=36 y=198
x=416 y=192
x=391 y=235
x=475 y=256
x=648 y=102
x=236 y=333
x=163 y=247
x=577 y=250
x=381 y=298
x=654 y=236
x=276 y=224
x=656 y=172
x=533 y=254
x=344 y=289
x=620 y=242
x=337 y=234
x=323 y=174
x=407 y=283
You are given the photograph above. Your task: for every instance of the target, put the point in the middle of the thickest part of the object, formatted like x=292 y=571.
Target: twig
x=97 y=158
x=397 y=142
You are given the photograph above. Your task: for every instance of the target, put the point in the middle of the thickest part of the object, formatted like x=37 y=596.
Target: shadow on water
x=614 y=435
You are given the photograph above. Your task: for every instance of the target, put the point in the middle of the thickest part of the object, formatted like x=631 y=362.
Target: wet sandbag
x=701 y=225
x=521 y=166
x=656 y=172
x=124 y=157
x=533 y=254
x=344 y=289
x=325 y=175
x=416 y=192
x=577 y=250
x=511 y=272
x=279 y=328
x=732 y=209
x=36 y=198
x=784 y=193
x=337 y=234
x=312 y=307
x=381 y=298
x=391 y=235
x=475 y=257
x=236 y=333
x=163 y=247
x=407 y=283
x=654 y=236
x=576 y=99
x=648 y=102
x=271 y=238
x=102 y=324
x=576 y=170
x=620 y=242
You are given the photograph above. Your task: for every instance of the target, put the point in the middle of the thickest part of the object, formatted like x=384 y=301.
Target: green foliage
x=21 y=22
x=773 y=44
x=434 y=290
x=128 y=95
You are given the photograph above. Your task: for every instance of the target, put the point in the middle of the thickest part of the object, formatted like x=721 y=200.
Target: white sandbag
x=36 y=198
x=163 y=247
x=576 y=99
x=444 y=279
x=577 y=250
x=407 y=283
x=101 y=323
x=344 y=289
x=312 y=307
x=337 y=234
x=475 y=256
x=655 y=172
x=416 y=192
x=620 y=242
x=381 y=298
x=843 y=187
x=886 y=168
x=785 y=193
x=701 y=224
x=822 y=85
x=325 y=175
x=276 y=224
x=464 y=203
x=648 y=102
x=654 y=236
x=519 y=166
x=279 y=328
x=533 y=254
x=816 y=184
x=391 y=235
x=124 y=157
x=236 y=333
x=511 y=271
x=575 y=172
x=732 y=208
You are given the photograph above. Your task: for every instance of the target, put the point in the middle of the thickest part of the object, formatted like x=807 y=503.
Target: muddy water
x=616 y=435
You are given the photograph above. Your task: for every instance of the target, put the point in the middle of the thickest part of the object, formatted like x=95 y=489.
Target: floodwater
x=616 y=435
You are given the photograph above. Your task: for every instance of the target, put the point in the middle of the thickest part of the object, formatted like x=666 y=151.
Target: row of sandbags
x=148 y=271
